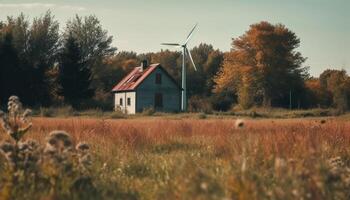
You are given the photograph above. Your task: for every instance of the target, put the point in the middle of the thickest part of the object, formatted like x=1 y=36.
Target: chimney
x=143 y=65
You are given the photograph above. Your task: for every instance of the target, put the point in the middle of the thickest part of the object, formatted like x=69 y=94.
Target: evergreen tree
x=74 y=75
x=10 y=74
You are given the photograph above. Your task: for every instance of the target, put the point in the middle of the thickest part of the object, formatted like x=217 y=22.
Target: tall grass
x=212 y=158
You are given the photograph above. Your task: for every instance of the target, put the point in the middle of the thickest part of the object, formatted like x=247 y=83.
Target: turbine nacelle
x=184 y=46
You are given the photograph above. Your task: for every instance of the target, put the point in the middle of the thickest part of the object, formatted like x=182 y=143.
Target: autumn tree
x=336 y=83
x=270 y=50
x=115 y=67
x=170 y=60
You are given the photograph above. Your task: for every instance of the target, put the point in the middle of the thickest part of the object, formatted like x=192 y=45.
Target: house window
x=158 y=78
x=158 y=100
x=129 y=101
x=121 y=101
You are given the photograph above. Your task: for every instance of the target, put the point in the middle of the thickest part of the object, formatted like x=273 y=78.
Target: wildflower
x=82 y=146
x=280 y=163
x=6 y=124
x=8 y=150
x=336 y=162
x=14 y=105
x=32 y=144
x=6 y=147
x=83 y=154
x=28 y=154
x=25 y=115
x=59 y=141
x=204 y=186
x=2 y=114
x=104 y=166
x=10 y=123
x=244 y=165
x=239 y=123
x=85 y=160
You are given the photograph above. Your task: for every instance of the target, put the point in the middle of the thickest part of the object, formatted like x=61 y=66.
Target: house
x=147 y=86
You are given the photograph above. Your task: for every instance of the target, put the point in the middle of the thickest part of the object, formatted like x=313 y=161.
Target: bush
x=148 y=111
x=202 y=116
x=222 y=102
x=200 y=104
x=117 y=114
x=46 y=112
x=64 y=111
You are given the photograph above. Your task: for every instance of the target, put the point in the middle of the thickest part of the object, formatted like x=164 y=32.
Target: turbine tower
x=185 y=52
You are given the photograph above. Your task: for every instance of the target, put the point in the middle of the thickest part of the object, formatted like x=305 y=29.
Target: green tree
x=94 y=42
x=10 y=72
x=37 y=46
x=74 y=74
x=208 y=61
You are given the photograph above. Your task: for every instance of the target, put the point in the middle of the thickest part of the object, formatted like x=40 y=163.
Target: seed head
x=7 y=147
x=13 y=98
x=239 y=123
x=58 y=141
x=25 y=115
x=82 y=146
x=14 y=105
x=2 y=114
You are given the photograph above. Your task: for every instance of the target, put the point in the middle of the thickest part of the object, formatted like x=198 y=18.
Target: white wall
x=129 y=109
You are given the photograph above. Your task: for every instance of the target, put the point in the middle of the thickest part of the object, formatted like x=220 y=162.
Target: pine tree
x=10 y=75
x=74 y=75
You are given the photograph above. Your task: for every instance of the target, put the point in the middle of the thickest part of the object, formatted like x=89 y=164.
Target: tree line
x=78 y=66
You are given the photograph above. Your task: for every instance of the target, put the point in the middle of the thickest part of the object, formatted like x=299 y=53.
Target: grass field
x=155 y=158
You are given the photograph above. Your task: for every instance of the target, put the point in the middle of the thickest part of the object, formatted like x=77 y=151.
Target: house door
x=158 y=100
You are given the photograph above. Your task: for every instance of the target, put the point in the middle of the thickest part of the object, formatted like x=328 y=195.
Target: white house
x=147 y=86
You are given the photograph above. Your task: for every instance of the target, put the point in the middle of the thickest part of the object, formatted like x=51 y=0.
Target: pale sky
x=141 y=25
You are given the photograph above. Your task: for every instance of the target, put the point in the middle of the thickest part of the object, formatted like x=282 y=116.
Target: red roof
x=134 y=78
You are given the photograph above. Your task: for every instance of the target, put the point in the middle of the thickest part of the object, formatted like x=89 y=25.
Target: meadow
x=158 y=158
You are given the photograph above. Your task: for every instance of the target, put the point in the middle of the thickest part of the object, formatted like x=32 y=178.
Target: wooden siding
x=129 y=109
x=145 y=93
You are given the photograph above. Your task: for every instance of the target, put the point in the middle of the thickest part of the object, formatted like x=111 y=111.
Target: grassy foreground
x=149 y=158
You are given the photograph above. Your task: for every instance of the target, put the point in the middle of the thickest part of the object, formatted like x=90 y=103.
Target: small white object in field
x=239 y=123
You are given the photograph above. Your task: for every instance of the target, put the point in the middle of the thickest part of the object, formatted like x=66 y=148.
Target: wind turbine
x=185 y=52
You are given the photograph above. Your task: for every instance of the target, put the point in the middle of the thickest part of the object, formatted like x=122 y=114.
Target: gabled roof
x=131 y=81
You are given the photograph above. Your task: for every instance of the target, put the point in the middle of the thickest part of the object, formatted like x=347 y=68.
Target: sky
x=323 y=26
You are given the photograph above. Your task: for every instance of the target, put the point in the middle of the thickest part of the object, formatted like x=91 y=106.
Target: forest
x=50 y=64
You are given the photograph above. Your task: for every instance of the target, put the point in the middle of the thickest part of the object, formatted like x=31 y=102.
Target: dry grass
x=212 y=159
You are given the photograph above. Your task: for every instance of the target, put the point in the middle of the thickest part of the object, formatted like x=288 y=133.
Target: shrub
x=200 y=104
x=46 y=112
x=148 y=111
x=117 y=114
x=64 y=111
x=202 y=116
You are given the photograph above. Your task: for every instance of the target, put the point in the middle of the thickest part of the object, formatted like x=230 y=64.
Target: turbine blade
x=191 y=33
x=170 y=44
x=189 y=55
